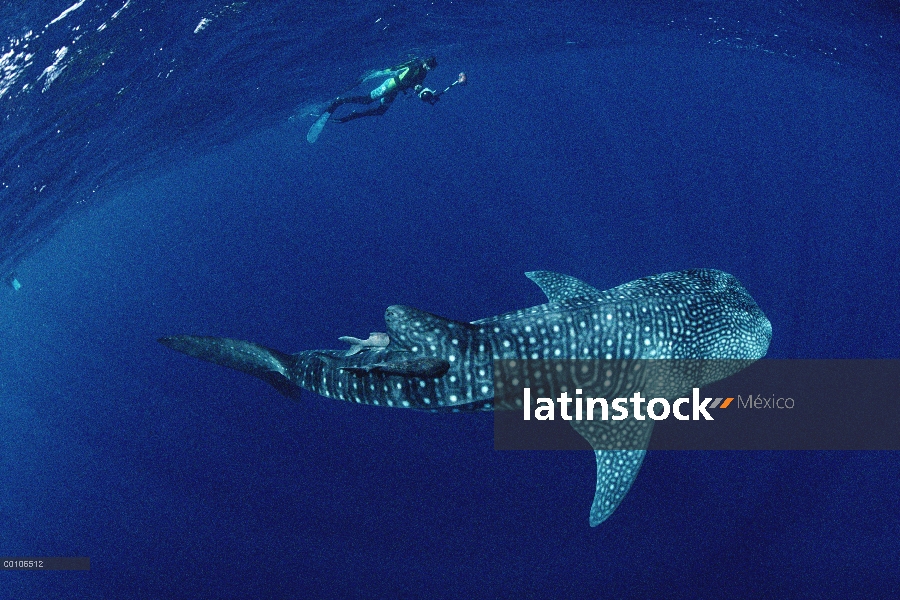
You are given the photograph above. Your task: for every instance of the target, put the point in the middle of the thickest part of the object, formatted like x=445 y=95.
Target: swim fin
x=317 y=127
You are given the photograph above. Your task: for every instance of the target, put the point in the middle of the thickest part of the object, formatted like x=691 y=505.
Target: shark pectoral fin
x=269 y=365
x=616 y=468
x=560 y=287
x=616 y=471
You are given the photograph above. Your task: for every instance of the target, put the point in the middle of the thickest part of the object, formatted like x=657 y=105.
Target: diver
x=403 y=77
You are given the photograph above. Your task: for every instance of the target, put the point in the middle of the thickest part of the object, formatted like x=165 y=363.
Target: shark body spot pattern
x=439 y=365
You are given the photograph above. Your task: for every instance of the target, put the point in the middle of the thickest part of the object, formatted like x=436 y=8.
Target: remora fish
x=436 y=364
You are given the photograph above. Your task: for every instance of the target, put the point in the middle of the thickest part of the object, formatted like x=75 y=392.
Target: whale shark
x=430 y=363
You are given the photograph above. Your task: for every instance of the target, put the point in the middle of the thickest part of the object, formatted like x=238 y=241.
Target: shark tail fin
x=269 y=365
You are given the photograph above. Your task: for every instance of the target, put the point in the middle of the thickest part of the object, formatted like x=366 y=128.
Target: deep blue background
x=604 y=161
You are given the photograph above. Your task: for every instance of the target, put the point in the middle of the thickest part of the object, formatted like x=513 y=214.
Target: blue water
x=157 y=180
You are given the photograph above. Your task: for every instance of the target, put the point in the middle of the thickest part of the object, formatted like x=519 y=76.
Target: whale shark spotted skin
x=437 y=364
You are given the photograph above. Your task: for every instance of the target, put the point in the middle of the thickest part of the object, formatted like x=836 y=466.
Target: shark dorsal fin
x=559 y=287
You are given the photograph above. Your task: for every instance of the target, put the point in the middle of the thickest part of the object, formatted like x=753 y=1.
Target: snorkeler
x=401 y=78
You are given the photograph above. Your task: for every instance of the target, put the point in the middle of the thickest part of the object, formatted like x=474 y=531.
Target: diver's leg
x=372 y=112
x=348 y=100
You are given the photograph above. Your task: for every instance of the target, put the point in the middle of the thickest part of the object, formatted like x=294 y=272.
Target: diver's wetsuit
x=404 y=77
